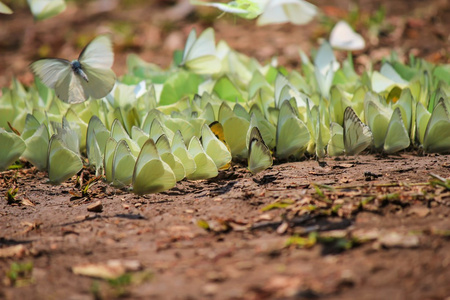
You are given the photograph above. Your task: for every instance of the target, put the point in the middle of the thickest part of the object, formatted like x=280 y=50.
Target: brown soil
x=382 y=229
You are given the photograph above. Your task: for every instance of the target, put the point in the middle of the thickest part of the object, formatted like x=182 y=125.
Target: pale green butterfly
x=215 y=148
x=232 y=124
x=422 y=119
x=151 y=174
x=96 y=137
x=437 y=137
x=179 y=150
x=357 y=135
x=165 y=152
x=377 y=117
x=259 y=156
x=335 y=145
x=199 y=54
x=11 y=147
x=138 y=135
x=76 y=81
x=63 y=162
x=206 y=168
x=397 y=137
x=37 y=148
x=108 y=156
x=119 y=133
x=292 y=134
x=122 y=165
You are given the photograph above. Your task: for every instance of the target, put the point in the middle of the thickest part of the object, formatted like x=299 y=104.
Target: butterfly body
x=78 y=69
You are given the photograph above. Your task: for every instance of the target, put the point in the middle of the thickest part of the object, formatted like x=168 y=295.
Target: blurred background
x=154 y=29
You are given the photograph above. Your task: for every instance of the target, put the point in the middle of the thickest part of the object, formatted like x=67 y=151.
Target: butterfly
x=151 y=174
x=199 y=54
x=44 y=9
x=215 y=147
x=36 y=139
x=5 y=9
x=259 y=156
x=89 y=76
x=343 y=37
x=357 y=135
x=436 y=138
x=281 y=11
x=248 y=9
x=11 y=147
x=292 y=134
x=397 y=137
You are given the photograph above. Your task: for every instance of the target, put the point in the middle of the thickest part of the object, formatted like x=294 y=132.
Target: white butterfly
x=76 y=81
x=343 y=37
x=297 y=12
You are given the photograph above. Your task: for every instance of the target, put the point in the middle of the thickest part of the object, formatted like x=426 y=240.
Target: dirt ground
x=366 y=227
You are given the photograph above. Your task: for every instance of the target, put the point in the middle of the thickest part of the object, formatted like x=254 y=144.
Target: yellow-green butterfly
x=357 y=135
x=76 y=81
x=96 y=137
x=199 y=54
x=179 y=150
x=108 y=156
x=36 y=151
x=122 y=165
x=206 y=168
x=292 y=134
x=422 y=119
x=437 y=137
x=63 y=162
x=164 y=151
x=231 y=125
x=151 y=174
x=397 y=137
x=215 y=148
x=11 y=147
x=259 y=156
x=336 y=143
x=377 y=117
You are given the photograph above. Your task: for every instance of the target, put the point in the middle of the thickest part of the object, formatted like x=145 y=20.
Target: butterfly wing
x=437 y=139
x=98 y=53
x=259 y=156
x=397 y=137
x=51 y=70
x=357 y=135
x=101 y=82
x=70 y=90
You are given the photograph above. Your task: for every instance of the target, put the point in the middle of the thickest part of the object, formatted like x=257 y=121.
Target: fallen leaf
x=397 y=240
x=17 y=250
x=420 y=211
x=95 y=207
x=109 y=270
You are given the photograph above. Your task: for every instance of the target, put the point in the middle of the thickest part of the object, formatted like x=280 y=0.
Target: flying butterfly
x=88 y=76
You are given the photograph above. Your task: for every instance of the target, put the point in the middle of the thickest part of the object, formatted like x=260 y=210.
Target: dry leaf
x=95 y=207
x=17 y=250
x=109 y=270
